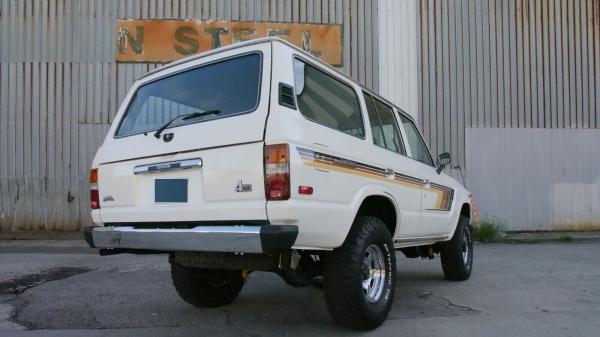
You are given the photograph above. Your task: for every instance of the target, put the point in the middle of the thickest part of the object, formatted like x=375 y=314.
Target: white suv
x=260 y=157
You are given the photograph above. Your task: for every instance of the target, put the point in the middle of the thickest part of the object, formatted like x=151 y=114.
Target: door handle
x=426 y=182
x=389 y=172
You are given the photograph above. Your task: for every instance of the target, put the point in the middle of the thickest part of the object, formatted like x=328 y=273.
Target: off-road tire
x=343 y=278
x=455 y=267
x=206 y=288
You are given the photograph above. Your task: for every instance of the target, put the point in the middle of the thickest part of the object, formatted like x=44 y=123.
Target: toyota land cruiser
x=260 y=157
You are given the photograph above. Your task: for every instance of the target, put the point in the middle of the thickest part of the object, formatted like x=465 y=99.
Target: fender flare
x=459 y=202
x=369 y=191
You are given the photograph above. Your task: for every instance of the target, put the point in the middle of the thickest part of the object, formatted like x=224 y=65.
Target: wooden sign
x=169 y=40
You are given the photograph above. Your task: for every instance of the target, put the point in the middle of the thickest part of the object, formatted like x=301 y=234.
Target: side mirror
x=443 y=160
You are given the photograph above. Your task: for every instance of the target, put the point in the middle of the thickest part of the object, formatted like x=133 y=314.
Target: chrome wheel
x=457 y=254
x=465 y=247
x=373 y=273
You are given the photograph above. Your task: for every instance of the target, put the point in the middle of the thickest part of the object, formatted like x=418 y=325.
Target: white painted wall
x=398 y=56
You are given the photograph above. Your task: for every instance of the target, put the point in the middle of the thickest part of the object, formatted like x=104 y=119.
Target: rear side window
x=227 y=88
x=326 y=100
x=384 y=127
x=416 y=143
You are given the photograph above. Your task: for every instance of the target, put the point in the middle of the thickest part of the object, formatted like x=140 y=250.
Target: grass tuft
x=488 y=232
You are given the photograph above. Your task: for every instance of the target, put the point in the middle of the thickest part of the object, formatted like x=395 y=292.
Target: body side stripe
x=329 y=162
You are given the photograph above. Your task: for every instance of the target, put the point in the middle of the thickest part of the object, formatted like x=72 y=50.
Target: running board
x=418 y=240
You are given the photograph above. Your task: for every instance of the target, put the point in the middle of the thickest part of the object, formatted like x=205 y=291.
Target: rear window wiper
x=185 y=117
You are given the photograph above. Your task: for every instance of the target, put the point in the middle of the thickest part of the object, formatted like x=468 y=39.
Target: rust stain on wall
x=579 y=226
x=169 y=40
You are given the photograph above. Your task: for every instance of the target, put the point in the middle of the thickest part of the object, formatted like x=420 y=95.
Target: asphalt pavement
x=62 y=288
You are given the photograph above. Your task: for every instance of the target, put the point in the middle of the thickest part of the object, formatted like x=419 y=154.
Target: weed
x=565 y=238
x=488 y=232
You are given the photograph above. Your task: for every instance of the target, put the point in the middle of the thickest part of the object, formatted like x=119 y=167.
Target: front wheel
x=457 y=254
x=359 y=276
x=206 y=288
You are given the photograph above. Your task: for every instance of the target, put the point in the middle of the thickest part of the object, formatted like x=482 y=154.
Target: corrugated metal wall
x=398 y=57
x=536 y=179
x=60 y=87
x=507 y=63
x=503 y=70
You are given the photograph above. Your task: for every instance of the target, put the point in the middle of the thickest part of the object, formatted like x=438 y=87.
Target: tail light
x=277 y=172
x=474 y=212
x=94 y=196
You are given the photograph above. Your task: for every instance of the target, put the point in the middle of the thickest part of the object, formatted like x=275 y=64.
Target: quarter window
x=326 y=100
x=416 y=143
x=376 y=129
x=383 y=125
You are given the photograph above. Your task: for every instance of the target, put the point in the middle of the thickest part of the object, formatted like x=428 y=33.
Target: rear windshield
x=226 y=88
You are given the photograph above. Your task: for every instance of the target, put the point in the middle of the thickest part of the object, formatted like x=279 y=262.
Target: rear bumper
x=243 y=239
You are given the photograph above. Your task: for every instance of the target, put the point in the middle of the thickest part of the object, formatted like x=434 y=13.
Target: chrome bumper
x=243 y=239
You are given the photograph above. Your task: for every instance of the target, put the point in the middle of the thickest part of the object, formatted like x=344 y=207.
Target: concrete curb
x=550 y=236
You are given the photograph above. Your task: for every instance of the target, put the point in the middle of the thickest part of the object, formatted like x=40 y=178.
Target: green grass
x=488 y=232
x=565 y=238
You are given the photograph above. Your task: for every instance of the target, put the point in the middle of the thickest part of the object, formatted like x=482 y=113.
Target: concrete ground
x=61 y=288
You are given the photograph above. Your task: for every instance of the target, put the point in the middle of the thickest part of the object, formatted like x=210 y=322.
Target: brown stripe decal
x=329 y=162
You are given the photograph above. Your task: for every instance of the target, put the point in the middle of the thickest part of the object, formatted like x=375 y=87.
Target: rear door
x=204 y=168
x=388 y=141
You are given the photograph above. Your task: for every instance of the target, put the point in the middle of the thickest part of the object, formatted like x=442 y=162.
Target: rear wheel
x=206 y=288
x=457 y=254
x=360 y=276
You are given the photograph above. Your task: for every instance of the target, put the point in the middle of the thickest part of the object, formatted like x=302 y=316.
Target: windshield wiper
x=185 y=117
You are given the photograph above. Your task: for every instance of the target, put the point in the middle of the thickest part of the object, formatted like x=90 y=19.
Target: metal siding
x=397 y=51
x=60 y=87
x=525 y=178
x=497 y=63
x=595 y=23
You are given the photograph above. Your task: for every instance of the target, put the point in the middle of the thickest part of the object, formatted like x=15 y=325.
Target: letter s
x=180 y=35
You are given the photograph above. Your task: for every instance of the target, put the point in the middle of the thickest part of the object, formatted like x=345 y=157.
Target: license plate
x=170 y=190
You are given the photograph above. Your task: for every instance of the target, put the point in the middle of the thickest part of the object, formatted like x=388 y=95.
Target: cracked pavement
x=61 y=288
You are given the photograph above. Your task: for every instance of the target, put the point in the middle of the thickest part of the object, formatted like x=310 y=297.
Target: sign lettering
x=169 y=40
